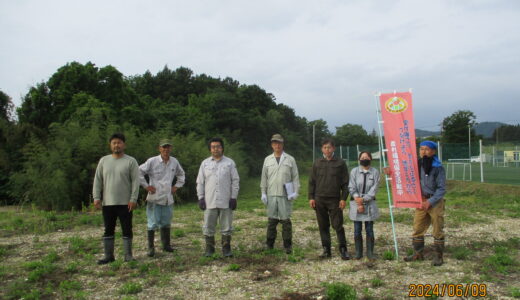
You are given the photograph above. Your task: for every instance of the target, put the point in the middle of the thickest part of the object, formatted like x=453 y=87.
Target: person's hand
x=202 y=203
x=342 y=204
x=97 y=204
x=387 y=171
x=359 y=200
x=312 y=203
x=292 y=196
x=174 y=189
x=150 y=189
x=264 y=199
x=361 y=208
x=233 y=203
x=132 y=205
x=426 y=205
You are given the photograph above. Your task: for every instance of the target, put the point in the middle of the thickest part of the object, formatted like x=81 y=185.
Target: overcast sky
x=325 y=59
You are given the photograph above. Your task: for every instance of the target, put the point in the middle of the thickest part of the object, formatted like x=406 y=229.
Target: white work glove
x=264 y=199
x=292 y=196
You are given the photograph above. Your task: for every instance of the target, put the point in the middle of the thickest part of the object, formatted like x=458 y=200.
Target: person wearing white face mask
x=363 y=185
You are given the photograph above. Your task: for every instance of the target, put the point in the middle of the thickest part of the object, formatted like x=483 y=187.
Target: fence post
x=494 y=156
x=439 y=146
x=481 y=163
x=348 y=155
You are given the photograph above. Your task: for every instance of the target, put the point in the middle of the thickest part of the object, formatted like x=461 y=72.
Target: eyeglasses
x=216 y=147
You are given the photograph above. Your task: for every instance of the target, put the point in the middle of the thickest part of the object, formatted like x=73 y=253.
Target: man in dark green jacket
x=328 y=191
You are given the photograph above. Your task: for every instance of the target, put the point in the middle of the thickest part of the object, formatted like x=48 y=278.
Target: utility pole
x=469 y=142
x=313 y=141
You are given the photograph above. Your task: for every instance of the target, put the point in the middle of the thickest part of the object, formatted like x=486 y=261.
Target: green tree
x=353 y=134
x=507 y=133
x=455 y=127
x=6 y=107
x=321 y=129
x=54 y=101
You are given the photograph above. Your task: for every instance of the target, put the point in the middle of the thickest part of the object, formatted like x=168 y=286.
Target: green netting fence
x=500 y=162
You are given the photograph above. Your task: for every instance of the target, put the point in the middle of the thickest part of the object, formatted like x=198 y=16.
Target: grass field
x=50 y=255
x=501 y=175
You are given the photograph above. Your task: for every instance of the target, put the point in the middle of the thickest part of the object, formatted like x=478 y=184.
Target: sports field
x=503 y=175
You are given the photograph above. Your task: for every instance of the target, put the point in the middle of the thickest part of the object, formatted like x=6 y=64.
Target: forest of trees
x=49 y=151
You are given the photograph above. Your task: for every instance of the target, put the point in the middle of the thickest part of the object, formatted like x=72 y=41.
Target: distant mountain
x=486 y=129
x=425 y=133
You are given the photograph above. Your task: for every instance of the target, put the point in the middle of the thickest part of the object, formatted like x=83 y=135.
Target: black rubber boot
x=326 y=252
x=439 y=250
x=226 y=246
x=418 y=248
x=210 y=246
x=108 y=245
x=127 y=247
x=271 y=233
x=287 y=245
x=287 y=235
x=358 y=239
x=344 y=253
x=151 y=237
x=165 y=239
x=370 y=248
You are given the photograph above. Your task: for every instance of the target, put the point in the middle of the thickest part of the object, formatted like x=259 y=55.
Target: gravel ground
x=266 y=276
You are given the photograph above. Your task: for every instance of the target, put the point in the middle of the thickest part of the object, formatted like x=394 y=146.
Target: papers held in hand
x=289 y=188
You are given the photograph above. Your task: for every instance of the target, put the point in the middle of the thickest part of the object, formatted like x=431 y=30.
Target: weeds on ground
x=130 y=288
x=232 y=267
x=515 y=292
x=376 y=282
x=460 y=252
x=388 y=255
x=339 y=291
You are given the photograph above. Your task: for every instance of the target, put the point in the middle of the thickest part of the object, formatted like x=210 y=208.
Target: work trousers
x=433 y=216
x=110 y=215
x=158 y=216
x=224 y=216
x=327 y=213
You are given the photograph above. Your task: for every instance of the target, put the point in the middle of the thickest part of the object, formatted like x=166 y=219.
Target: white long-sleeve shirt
x=217 y=182
x=161 y=176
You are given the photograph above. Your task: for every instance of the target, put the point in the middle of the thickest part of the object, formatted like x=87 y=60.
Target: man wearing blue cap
x=433 y=188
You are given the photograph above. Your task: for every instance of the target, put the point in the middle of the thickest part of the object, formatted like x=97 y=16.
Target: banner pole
x=387 y=178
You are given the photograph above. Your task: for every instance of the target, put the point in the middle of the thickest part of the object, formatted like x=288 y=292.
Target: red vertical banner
x=399 y=133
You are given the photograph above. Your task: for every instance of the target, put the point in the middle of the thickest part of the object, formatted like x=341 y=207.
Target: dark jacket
x=433 y=186
x=329 y=178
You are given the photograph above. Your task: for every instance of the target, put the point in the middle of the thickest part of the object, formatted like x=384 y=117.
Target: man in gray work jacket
x=217 y=190
x=117 y=179
x=279 y=186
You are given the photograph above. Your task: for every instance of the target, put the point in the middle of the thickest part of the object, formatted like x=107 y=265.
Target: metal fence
x=350 y=153
x=492 y=163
